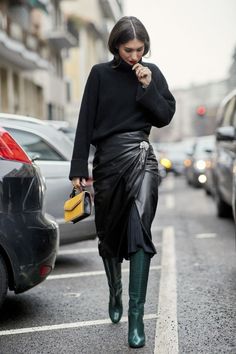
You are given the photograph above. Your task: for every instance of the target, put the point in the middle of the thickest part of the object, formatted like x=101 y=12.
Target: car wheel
x=3 y=280
x=223 y=209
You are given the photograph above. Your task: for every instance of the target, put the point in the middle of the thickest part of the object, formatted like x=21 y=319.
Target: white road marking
x=169 y=183
x=91 y=250
x=63 y=326
x=75 y=275
x=89 y=274
x=78 y=251
x=156 y=228
x=72 y=294
x=206 y=235
x=95 y=249
x=166 y=337
x=166 y=237
x=169 y=201
x=157 y=244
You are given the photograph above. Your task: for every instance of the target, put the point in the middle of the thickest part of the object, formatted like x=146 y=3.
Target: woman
x=122 y=100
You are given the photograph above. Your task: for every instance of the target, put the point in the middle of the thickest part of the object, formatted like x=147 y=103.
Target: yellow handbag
x=78 y=207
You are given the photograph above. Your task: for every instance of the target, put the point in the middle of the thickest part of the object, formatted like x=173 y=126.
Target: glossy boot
x=113 y=272
x=139 y=270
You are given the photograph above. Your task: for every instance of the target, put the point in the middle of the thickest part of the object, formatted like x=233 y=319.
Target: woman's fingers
x=78 y=182
x=139 y=69
x=136 y=66
x=142 y=72
x=83 y=182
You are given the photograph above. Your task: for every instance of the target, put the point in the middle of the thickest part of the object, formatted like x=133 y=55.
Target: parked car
x=172 y=155
x=209 y=185
x=28 y=239
x=197 y=160
x=51 y=150
x=234 y=194
x=225 y=160
x=64 y=127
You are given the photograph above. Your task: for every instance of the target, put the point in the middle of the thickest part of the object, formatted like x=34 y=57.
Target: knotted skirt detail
x=125 y=173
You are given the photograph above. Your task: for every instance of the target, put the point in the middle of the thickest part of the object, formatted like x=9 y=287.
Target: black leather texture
x=125 y=172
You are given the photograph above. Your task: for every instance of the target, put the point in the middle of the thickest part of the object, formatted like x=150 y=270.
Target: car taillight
x=45 y=270
x=10 y=150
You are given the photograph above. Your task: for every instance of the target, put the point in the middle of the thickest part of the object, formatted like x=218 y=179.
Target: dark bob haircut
x=126 y=29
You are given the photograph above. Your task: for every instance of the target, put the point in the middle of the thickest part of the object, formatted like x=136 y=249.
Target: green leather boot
x=113 y=272
x=139 y=270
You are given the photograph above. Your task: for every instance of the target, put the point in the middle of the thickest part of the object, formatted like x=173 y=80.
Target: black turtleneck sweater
x=114 y=101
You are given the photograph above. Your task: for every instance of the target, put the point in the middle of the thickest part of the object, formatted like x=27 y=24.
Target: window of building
x=3 y=90
x=68 y=91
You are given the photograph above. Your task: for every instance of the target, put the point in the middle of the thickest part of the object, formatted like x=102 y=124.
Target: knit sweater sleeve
x=157 y=99
x=84 y=131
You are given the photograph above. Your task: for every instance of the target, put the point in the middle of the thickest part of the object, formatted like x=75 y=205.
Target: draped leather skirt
x=125 y=172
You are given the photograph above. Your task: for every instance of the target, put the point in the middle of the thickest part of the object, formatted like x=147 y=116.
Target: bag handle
x=76 y=191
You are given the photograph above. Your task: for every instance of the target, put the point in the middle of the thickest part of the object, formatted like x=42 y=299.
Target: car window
x=228 y=113
x=34 y=145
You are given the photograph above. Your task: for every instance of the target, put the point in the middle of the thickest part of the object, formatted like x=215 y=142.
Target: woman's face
x=132 y=51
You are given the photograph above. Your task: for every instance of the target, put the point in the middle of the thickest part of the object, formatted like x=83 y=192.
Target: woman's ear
x=117 y=57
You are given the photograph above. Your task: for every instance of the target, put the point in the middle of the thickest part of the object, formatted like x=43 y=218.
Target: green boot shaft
x=113 y=273
x=139 y=270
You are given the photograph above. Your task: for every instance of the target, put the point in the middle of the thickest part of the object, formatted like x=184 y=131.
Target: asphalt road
x=191 y=300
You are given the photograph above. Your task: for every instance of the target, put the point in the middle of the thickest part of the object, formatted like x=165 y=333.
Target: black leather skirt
x=125 y=172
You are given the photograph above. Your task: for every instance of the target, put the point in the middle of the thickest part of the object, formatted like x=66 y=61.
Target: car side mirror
x=35 y=157
x=209 y=151
x=226 y=133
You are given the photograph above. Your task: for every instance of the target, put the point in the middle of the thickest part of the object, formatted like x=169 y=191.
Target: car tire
x=222 y=208
x=3 y=280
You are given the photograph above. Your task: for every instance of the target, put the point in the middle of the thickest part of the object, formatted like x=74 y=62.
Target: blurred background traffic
x=47 y=48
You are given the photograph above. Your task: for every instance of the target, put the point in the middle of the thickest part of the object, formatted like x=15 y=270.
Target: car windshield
x=204 y=144
x=174 y=148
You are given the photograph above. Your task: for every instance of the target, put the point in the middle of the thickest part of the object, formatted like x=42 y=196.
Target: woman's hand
x=78 y=182
x=143 y=74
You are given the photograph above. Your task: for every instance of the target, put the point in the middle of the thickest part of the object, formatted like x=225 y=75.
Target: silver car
x=52 y=151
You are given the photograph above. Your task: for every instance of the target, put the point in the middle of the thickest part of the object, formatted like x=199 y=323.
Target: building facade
x=21 y=51
x=93 y=20
x=33 y=35
x=47 y=48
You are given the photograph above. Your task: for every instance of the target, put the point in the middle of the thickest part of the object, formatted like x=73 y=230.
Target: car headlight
x=202 y=179
x=200 y=165
x=208 y=164
x=166 y=163
x=187 y=162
